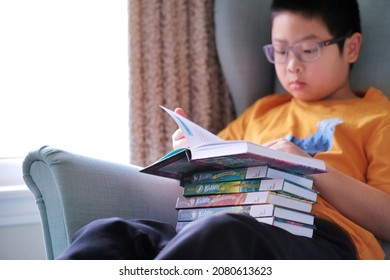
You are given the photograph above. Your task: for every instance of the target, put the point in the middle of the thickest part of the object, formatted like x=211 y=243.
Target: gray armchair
x=72 y=190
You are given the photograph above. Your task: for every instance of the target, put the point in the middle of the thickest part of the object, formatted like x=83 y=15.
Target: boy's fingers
x=181 y=112
x=274 y=142
x=177 y=135
x=181 y=144
x=178 y=140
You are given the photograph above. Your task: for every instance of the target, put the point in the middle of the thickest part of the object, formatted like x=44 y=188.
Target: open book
x=209 y=152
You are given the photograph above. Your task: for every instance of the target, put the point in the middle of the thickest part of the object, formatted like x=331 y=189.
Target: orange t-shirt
x=350 y=135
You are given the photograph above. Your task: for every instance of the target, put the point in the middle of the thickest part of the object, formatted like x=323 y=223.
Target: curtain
x=174 y=63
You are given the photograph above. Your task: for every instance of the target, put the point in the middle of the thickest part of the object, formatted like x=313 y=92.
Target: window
x=64 y=79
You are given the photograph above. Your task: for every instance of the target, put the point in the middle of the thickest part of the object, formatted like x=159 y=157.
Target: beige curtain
x=173 y=63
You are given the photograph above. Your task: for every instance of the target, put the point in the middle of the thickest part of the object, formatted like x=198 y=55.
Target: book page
x=195 y=134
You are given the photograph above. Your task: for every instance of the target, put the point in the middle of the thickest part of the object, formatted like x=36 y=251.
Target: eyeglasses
x=305 y=51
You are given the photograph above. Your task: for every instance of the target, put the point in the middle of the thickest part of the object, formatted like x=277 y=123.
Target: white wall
x=22 y=242
x=64 y=77
x=21 y=236
x=64 y=83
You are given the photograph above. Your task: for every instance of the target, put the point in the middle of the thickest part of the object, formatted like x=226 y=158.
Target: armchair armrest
x=72 y=190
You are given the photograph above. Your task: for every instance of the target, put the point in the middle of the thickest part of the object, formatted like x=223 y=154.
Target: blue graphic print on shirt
x=321 y=140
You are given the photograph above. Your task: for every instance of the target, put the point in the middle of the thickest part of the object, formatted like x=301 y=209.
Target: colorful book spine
x=243 y=199
x=221 y=187
x=187 y=215
x=205 y=201
x=256 y=211
x=252 y=185
x=257 y=172
x=235 y=174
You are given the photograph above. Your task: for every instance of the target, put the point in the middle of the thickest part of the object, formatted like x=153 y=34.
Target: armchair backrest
x=243 y=27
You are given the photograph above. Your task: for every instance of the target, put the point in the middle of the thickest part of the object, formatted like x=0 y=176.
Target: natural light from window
x=64 y=77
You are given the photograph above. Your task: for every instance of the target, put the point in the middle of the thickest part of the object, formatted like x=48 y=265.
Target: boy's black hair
x=341 y=17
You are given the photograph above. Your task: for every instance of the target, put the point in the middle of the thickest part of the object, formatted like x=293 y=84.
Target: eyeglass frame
x=320 y=45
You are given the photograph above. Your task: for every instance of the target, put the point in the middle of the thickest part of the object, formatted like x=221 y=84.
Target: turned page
x=195 y=134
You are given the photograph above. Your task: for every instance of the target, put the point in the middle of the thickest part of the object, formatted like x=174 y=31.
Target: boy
x=314 y=44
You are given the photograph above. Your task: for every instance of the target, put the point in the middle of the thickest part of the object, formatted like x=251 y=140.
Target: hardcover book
x=207 y=151
x=250 y=198
x=252 y=185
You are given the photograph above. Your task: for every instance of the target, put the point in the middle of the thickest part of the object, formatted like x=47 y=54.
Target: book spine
x=221 y=200
x=234 y=174
x=251 y=185
x=187 y=215
x=221 y=187
x=257 y=172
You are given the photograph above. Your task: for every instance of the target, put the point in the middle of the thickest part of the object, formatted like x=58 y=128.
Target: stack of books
x=221 y=176
x=272 y=196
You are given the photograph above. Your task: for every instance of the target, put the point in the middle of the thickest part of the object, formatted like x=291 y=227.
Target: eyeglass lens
x=303 y=51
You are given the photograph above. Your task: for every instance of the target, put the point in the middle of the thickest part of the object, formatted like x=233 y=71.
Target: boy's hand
x=284 y=145
x=178 y=139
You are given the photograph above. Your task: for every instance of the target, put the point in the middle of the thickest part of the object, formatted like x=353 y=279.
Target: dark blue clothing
x=227 y=236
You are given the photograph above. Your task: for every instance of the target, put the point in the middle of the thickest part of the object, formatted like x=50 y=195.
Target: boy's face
x=323 y=79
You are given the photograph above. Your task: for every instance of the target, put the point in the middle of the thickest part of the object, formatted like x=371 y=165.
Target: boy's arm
x=365 y=205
